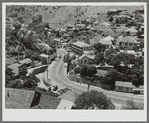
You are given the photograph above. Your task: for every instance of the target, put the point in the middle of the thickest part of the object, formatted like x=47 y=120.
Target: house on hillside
x=131 y=31
x=57 y=42
x=81 y=26
x=66 y=35
x=86 y=58
x=124 y=86
x=79 y=47
x=15 y=68
x=26 y=61
x=47 y=57
x=105 y=24
x=107 y=41
x=128 y=42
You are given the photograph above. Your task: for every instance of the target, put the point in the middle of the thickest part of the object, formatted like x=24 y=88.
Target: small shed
x=138 y=90
x=45 y=56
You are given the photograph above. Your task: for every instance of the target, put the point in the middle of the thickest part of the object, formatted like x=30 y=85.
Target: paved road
x=58 y=75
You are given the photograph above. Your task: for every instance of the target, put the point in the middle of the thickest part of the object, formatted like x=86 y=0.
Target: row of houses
x=128 y=42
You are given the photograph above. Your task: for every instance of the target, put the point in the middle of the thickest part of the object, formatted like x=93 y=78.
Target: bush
x=15 y=84
x=88 y=70
x=132 y=105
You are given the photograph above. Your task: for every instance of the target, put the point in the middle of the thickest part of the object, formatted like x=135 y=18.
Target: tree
x=44 y=60
x=132 y=105
x=18 y=83
x=23 y=70
x=73 y=57
x=8 y=76
x=99 y=47
x=88 y=70
x=112 y=76
x=139 y=33
x=31 y=81
x=110 y=18
x=28 y=53
x=93 y=100
x=124 y=58
x=109 y=52
x=99 y=57
x=116 y=60
x=17 y=26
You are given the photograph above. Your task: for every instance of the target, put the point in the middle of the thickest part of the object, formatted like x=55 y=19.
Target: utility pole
x=88 y=87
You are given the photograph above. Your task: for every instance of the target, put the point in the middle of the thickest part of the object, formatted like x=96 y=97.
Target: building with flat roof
x=79 y=47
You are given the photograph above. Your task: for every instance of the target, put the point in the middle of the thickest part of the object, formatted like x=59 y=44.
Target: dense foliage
x=88 y=70
x=92 y=100
x=99 y=48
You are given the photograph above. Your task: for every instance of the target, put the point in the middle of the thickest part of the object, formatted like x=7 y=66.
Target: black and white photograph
x=67 y=58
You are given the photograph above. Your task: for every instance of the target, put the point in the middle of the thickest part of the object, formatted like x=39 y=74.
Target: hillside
x=62 y=14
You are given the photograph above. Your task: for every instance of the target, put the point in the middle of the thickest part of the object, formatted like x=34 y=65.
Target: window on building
x=127 y=89
x=130 y=44
x=120 y=88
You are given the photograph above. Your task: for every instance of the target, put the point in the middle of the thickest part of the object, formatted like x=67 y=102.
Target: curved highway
x=58 y=76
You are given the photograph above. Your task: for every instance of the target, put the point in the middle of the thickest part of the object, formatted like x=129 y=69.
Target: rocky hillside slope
x=62 y=14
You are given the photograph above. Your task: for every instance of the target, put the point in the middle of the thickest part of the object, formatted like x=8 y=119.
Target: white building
x=79 y=47
x=107 y=41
